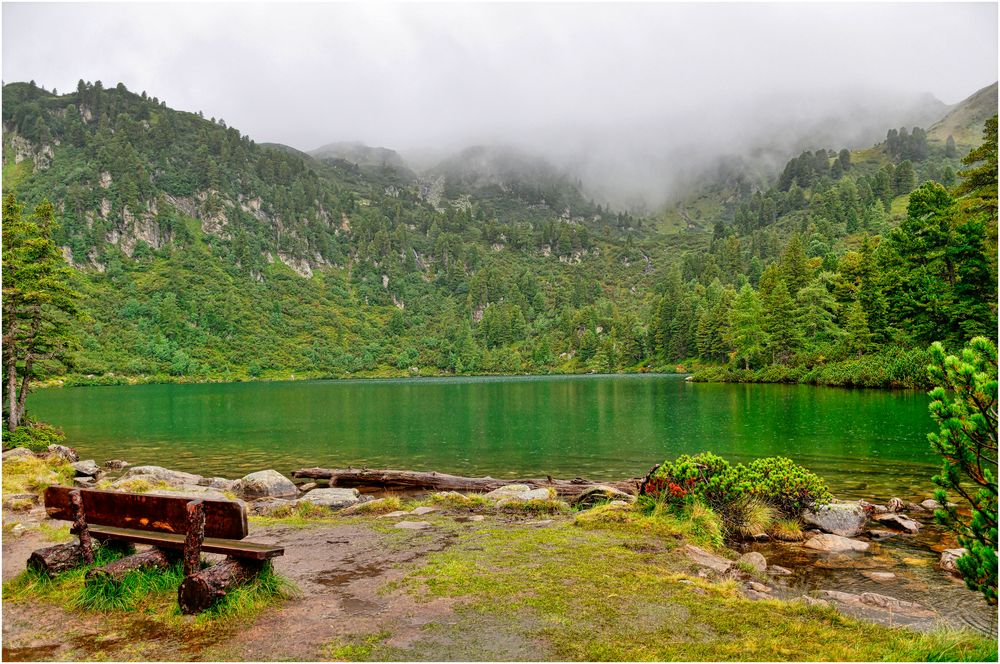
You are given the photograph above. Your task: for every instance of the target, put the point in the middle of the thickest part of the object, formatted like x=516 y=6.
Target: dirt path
x=340 y=570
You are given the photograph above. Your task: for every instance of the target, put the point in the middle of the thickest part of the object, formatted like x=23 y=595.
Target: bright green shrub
x=35 y=436
x=776 y=480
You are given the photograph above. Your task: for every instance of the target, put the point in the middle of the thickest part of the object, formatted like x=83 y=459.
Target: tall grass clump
x=128 y=593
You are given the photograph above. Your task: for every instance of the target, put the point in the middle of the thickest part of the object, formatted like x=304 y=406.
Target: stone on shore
x=600 y=494
x=308 y=486
x=896 y=505
x=878 y=534
x=67 y=453
x=878 y=576
x=518 y=492
x=705 y=559
x=265 y=484
x=88 y=468
x=156 y=474
x=778 y=570
x=754 y=560
x=844 y=519
x=420 y=511
x=271 y=507
x=898 y=522
x=116 y=464
x=18 y=453
x=830 y=543
x=948 y=559
x=335 y=499
x=413 y=525
x=930 y=504
x=20 y=501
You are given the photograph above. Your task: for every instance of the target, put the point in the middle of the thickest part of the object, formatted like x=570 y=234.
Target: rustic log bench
x=174 y=526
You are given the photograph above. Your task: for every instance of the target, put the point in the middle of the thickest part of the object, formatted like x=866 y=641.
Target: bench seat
x=229 y=547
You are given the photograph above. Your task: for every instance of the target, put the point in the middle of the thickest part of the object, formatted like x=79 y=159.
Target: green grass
x=620 y=593
x=144 y=590
x=33 y=475
x=353 y=648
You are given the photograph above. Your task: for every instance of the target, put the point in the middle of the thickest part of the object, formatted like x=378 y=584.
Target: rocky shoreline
x=848 y=530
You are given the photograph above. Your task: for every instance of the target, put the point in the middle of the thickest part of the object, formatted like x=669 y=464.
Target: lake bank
x=477 y=578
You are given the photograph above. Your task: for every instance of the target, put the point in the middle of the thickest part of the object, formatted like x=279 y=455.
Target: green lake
x=866 y=443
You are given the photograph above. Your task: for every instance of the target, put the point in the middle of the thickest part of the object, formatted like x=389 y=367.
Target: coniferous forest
x=202 y=255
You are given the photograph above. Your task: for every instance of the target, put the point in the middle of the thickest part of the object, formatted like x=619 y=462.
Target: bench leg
x=195 y=537
x=200 y=590
x=55 y=559
x=114 y=571
x=80 y=526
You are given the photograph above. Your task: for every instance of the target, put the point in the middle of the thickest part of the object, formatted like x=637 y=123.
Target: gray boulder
x=270 y=507
x=161 y=474
x=413 y=525
x=67 y=453
x=896 y=505
x=18 y=453
x=84 y=482
x=20 y=501
x=600 y=494
x=754 y=560
x=844 y=519
x=948 y=559
x=835 y=544
x=508 y=491
x=88 y=468
x=898 y=522
x=335 y=499
x=265 y=484
x=116 y=464
x=220 y=483
x=705 y=559
x=930 y=504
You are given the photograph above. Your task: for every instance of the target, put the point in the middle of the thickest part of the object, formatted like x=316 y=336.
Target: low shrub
x=35 y=436
x=776 y=481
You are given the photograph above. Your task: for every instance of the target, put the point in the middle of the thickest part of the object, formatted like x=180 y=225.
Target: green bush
x=777 y=481
x=35 y=436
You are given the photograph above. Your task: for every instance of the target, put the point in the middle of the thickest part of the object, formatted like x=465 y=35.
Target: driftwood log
x=410 y=479
x=55 y=559
x=202 y=589
x=151 y=559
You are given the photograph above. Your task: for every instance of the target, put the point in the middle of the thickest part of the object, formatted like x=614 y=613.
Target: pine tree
x=746 y=327
x=784 y=336
x=818 y=310
x=858 y=337
x=794 y=265
x=965 y=407
x=39 y=305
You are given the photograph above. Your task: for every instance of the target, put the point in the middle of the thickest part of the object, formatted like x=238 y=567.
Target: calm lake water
x=865 y=443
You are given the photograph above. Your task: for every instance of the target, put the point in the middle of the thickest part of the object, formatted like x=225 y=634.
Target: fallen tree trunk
x=410 y=479
x=55 y=559
x=202 y=589
x=114 y=571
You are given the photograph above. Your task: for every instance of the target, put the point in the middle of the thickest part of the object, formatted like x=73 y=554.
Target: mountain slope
x=965 y=121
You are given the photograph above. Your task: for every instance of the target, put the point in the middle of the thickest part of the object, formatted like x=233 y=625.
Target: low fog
x=632 y=98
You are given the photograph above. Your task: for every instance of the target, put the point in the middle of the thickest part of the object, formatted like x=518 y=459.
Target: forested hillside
x=203 y=255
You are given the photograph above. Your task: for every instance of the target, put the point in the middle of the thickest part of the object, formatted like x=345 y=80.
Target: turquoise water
x=864 y=442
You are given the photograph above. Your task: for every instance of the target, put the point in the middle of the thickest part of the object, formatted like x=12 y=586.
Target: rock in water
x=86 y=468
x=266 y=484
x=335 y=499
x=949 y=558
x=754 y=559
x=67 y=453
x=896 y=505
x=930 y=504
x=778 y=570
x=898 y=522
x=879 y=576
x=844 y=519
x=835 y=544
x=600 y=494
x=116 y=464
x=706 y=559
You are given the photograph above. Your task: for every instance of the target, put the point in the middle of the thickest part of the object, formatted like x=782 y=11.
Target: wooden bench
x=174 y=526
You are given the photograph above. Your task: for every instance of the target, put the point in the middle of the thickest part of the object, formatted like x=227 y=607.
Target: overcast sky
x=421 y=75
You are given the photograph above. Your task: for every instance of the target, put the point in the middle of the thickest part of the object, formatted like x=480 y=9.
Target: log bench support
x=202 y=589
x=176 y=527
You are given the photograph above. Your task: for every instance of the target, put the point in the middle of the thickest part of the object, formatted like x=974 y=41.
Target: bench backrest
x=163 y=514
